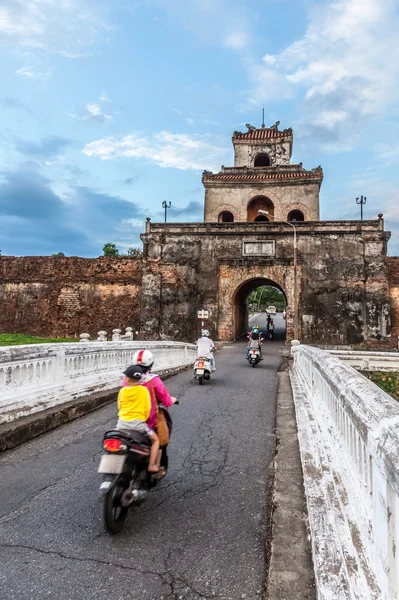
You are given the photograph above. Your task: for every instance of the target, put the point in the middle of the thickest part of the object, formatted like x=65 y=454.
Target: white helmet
x=144 y=358
x=205 y=333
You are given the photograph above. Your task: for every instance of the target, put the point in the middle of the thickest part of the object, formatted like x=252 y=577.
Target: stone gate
x=253 y=212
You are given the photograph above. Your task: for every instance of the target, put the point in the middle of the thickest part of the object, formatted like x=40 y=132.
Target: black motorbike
x=126 y=480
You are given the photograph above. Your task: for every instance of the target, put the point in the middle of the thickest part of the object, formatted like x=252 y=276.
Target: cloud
x=237 y=40
x=46 y=149
x=10 y=103
x=343 y=71
x=131 y=180
x=221 y=22
x=36 y=220
x=62 y=26
x=93 y=112
x=176 y=150
x=192 y=210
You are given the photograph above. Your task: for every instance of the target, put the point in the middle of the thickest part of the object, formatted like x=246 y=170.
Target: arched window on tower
x=260 y=203
x=262 y=160
x=295 y=215
x=226 y=217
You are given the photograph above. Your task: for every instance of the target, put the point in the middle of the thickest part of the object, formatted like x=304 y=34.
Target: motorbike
x=254 y=353
x=270 y=332
x=202 y=369
x=126 y=481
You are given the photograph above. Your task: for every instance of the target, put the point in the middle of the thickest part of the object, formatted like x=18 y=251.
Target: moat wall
x=60 y=296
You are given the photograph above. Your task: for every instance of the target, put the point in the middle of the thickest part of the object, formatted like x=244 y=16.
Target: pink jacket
x=161 y=394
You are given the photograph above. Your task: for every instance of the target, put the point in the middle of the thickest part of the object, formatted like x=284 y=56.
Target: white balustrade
x=369 y=361
x=349 y=437
x=36 y=377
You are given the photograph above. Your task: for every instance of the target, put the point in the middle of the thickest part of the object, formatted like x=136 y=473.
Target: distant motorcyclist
x=255 y=334
x=205 y=347
x=270 y=328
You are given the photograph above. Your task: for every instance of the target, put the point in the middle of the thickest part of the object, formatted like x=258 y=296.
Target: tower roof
x=264 y=133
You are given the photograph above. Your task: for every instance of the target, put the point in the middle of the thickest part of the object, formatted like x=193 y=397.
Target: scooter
x=126 y=481
x=254 y=353
x=202 y=369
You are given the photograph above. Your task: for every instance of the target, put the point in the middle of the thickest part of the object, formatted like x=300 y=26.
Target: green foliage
x=134 y=253
x=269 y=296
x=389 y=382
x=16 y=339
x=110 y=249
x=58 y=255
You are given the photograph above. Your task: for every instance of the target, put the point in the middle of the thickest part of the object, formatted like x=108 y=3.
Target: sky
x=109 y=108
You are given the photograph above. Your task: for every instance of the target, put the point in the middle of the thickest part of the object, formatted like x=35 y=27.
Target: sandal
x=160 y=474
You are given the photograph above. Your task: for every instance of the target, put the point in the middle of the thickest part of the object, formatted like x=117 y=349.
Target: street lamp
x=165 y=205
x=266 y=214
x=361 y=201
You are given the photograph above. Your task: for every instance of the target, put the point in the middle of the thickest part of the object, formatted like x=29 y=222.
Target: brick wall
x=60 y=296
x=393 y=275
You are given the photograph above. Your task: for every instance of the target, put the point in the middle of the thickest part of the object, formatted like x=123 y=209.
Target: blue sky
x=107 y=109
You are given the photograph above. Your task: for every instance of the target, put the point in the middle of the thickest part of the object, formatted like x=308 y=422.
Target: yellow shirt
x=134 y=403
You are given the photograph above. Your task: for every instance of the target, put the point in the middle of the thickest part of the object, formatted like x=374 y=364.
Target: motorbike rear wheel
x=254 y=364
x=114 y=513
x=201 y=380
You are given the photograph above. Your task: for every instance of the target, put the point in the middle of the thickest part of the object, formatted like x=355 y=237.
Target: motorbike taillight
x=112 y=445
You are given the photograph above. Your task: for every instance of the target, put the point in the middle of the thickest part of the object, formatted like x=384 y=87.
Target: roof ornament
x=250 y=127
x=275 y=126
x=263 y=117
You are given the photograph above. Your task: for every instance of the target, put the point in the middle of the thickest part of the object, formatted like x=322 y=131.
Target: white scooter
x=202 y=369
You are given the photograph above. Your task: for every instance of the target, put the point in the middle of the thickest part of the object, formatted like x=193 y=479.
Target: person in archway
x=255 y=334
x=205 y=348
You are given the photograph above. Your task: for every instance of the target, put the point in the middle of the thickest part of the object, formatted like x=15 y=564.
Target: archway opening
x=259 y=203
x=295 y=215
x=262 y=160
x=226 y=217
x=251 y=302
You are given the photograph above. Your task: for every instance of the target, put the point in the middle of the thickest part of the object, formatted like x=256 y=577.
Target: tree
x=134 y=253
x=269 y=296
x=59 y=254
x=110 y=249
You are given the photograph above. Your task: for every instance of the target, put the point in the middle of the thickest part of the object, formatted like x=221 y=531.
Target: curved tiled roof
x=254 y=177
x=262 y=134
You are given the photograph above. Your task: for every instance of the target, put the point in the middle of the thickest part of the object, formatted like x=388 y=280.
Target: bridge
x=229 y=521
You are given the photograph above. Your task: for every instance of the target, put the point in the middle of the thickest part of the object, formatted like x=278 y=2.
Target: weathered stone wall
x=55 y=296
x=393 y=273
x=236 y=197
x=279 y=151
x=343 y=292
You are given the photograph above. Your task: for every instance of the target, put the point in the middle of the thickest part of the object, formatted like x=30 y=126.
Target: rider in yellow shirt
x=134 y=407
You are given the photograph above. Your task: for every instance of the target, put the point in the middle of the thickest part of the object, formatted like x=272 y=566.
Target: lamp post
x=165 y=205
x=361 y=201
x=296 y=333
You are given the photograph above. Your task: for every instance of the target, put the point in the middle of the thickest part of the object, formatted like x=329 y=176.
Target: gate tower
x=262 y=178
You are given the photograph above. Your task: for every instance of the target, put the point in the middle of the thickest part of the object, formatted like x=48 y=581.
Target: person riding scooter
x=255 y=334
x=205 y=347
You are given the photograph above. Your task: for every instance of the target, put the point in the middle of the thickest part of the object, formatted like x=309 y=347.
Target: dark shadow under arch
x=295 y=215
x=226 y=217
x=262 y=160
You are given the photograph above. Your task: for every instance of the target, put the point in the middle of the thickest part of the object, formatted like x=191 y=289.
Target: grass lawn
x=16 y=339
x=387 y=381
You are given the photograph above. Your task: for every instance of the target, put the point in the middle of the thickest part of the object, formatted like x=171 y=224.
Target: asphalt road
x=201 y=533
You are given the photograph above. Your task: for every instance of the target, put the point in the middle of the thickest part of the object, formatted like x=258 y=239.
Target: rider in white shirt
x=205 y=347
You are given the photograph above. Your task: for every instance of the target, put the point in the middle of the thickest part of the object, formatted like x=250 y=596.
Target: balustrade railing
x=349 y=436
x=36 y=377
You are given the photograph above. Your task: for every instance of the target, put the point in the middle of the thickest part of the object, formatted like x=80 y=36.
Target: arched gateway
x=235 y=285
x=341 y=282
